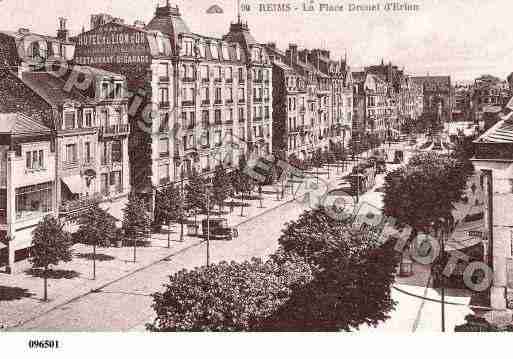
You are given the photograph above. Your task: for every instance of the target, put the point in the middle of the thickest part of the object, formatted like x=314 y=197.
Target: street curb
x=272 y=209
x=106 y=284
x=97 y=289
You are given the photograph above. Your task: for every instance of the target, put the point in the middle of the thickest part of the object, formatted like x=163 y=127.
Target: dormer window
x=213 y=50
x=88 y=117
x=160 y=43
x=201 y=50
x=237 y=52
x=226 y=53
x=188 y=48
x=119 y=90
x=105 y=90
x=69 y=120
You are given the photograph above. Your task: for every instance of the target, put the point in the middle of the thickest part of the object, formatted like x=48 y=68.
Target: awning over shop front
x=74 y=183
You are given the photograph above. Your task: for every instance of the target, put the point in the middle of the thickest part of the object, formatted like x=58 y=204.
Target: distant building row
x=122 y=108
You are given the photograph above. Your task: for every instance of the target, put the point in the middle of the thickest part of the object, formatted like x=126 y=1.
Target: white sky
x=462 y=38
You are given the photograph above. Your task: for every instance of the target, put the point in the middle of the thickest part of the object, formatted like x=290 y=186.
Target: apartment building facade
x=312 y=101
x=83 y=155
x=193 y=96
x=438 y=96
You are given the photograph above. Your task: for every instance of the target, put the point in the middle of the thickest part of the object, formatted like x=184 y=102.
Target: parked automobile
x=398 y=156
x=219 y=229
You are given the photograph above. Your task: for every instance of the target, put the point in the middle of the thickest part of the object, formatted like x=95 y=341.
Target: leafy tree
x=50 y=245
x=226 y=296
x=169 y=205
x=464 y=151
x=222 y=187
x=195 y=194
x=242 y=182
x=424 y=191
x=97 y=228
x=352 y=276
x=324 y=276
x=136 y=222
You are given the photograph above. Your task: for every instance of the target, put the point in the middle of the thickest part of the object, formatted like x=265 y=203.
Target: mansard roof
x=20 y=124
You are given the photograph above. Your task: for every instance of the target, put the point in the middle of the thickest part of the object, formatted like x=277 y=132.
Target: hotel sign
x=113 y=44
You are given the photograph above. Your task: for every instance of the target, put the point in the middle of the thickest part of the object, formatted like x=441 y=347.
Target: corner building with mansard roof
x=197 y=101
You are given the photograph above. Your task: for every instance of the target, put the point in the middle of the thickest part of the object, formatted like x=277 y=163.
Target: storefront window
x=34 y=201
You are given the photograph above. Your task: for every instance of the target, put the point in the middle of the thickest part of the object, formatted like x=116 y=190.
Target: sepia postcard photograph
x=290 y=167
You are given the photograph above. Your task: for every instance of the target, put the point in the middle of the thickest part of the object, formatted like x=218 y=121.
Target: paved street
x=123 y=303
x=126 y=304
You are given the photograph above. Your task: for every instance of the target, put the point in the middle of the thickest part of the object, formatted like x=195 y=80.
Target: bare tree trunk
x=135 y=249
x=242 y=205
x=168 y=233
x=45 y=284
x=94 y=261
x=181 y=228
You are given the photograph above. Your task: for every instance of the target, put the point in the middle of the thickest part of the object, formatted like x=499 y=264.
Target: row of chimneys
x=62 y=31
x=293 y=56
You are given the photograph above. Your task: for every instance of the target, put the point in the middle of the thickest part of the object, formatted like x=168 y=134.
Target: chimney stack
x=292 y=54
x=23 y=31
x=63 y=32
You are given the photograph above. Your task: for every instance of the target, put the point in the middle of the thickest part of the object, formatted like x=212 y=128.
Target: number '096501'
x=43 y=344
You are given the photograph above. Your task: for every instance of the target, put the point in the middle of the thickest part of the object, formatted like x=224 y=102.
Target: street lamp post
x=442 y=245
x=207 y=190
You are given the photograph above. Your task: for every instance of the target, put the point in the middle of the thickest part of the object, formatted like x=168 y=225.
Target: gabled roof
x=96 y=71
x=282 y=66
x=19 y=124
x=501 y=132
x=19 y=36
x=445 y=80
x=52 y=89
x=17 y=97
x=239 y=33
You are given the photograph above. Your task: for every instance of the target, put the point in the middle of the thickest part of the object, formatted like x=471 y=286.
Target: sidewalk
x=21 y=293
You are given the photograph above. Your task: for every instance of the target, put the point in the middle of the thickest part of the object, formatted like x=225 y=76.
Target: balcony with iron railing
x=258 y=80
x=229 y=81
x=163 y=79
x=164 y=104
x=218 y=101
x=78 y=206
x=188 y=103
x=242 y=120
x=257 y=99
x=242 y=100
x=257 y=118
x=205 y=103
x=229 y=101
x=218 y=80
x=188 y=79
x=114 y=130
